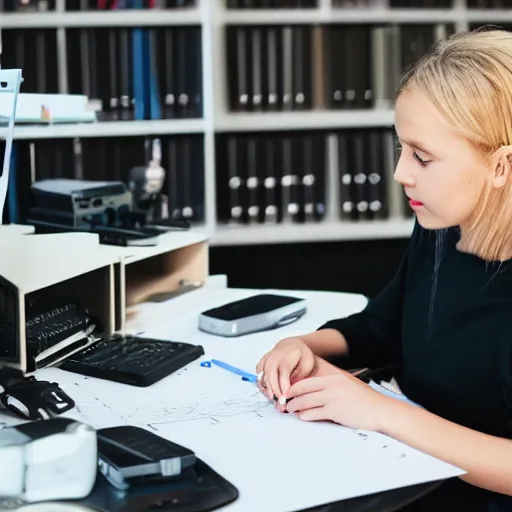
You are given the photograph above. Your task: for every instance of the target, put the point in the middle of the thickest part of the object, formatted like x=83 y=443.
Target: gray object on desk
x=47 y=460
x=253 y=314
x=129 y=454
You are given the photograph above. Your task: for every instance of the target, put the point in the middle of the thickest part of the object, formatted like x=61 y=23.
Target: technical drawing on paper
x=104 y=403
x=252 y=404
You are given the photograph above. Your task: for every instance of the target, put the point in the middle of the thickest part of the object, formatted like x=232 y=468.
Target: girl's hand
x=341 y=398
x=289 y=361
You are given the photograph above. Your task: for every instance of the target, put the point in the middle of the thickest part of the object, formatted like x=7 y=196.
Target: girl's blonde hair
x=469 y=79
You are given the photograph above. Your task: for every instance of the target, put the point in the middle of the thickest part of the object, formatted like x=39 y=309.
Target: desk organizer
x=111 y=282
x=63 y=265
x=143 y=272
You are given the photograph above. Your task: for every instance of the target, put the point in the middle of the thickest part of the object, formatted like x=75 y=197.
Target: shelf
x=304 y=120
x=118 y=18
x=394 y=16
x=315 y=232
x=488 y=15
x=367 y=15
x=272 y=16
x=168 y=242
x=155 y=17
x=109 y=129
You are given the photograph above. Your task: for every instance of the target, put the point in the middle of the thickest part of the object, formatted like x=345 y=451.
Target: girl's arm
x=373 y=337
x=487 y=459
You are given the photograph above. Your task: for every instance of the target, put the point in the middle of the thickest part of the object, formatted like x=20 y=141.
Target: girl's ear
x=502 y=166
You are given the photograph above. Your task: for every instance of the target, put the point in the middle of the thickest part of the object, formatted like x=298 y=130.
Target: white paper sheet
x=277 y=462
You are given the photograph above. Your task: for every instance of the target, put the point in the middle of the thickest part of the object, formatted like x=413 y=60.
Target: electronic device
x=253 y=314
x=32 y=399
x=132 y=455
x=131 y=359
x=80 y=203
x=55 y=325
x=102 y=207
x=146 y=184
x=197 y=489
x=48 y=460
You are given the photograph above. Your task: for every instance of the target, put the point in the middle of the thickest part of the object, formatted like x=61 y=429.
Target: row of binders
x=365 y=160
x=127 y=73
x=270 y=4
x=285 y=177
x=260 y=178
x=489 y=4
x=270 y=178
x=410 y=4
x=83 y=5
x=110 y=159
x=330 y=66
x=27 y=5
x=103 y=5
x=419 y=4
x=35 y=52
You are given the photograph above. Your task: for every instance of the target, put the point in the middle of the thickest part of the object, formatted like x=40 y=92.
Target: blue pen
x=245 y=375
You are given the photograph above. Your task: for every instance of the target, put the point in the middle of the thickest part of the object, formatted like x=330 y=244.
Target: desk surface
x=232 y=427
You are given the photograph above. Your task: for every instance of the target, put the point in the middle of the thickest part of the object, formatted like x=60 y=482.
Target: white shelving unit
x=339 y=15
x=108 y=129
x=112 y=282
x=213 y=16
x=121 y=18
x=307 y=120
x=328 y=231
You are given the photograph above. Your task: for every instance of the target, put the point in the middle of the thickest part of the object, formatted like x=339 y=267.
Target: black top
x=446 y=320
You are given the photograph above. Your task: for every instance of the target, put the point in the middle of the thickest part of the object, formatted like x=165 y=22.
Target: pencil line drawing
x=102 y=404
x=202 y=409
x=198 y=404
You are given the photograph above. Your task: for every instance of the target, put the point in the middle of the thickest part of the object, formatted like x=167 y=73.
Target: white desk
x=277 y=462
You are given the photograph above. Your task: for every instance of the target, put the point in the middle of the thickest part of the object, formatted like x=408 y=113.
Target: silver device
x=253 y=314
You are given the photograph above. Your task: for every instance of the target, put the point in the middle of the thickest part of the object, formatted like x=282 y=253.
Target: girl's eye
x=420 y=160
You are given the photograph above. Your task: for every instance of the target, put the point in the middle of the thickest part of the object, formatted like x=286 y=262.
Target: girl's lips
x=415 y=204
